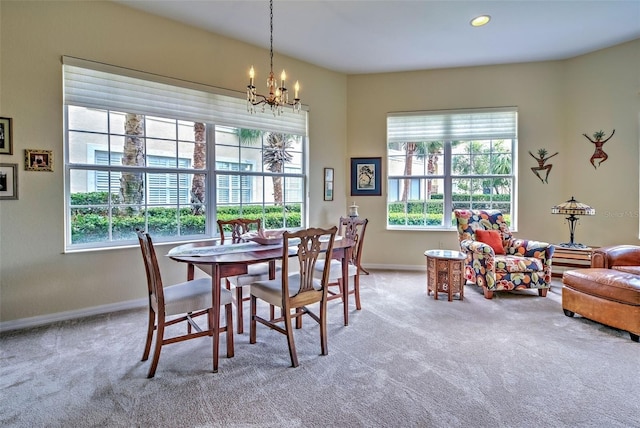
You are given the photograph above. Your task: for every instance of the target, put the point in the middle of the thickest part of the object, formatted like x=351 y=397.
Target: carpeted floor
x=404 y=360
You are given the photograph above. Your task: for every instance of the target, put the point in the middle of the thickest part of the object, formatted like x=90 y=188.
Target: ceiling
x=372 y=36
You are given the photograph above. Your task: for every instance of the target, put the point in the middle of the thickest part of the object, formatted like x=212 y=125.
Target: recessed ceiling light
x=481 y=20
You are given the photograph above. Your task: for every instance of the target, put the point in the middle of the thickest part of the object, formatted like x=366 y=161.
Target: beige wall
x=36 y=279
x=557 y=101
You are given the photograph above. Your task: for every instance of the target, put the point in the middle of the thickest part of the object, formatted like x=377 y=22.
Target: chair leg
x=158 y=347
x=151 y=326
x=239 y=309
x=488 y=294
x=292 y=346
x=356 y=290
x=298 y=318
x=542 y=292
x=344 y=292
x=252 y=320
x=341 y=289
x=229 y=330
x=323 y=328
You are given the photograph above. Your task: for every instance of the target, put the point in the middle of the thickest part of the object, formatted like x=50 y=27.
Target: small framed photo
x=38 y=160
x=8 y=181
x=366 y=177
x=6 y=141
x=328 y=184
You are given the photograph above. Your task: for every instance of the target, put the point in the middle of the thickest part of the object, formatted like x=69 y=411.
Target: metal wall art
x=599 y=153
x=542 y=159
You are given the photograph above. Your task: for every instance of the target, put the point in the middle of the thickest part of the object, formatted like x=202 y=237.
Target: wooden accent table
x=565 y=258
x=445 y=273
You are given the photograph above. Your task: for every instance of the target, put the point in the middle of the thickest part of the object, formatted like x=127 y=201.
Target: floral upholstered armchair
x=496 y=261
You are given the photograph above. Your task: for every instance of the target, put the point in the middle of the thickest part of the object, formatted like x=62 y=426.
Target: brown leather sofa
x=609 y=291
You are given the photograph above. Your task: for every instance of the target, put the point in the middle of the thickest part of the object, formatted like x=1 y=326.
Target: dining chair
x=187 y=300
x=352 y=228
x=234 y=229
x=295 y=287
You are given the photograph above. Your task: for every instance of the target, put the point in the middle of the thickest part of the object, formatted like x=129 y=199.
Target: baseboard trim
x=41 y=320
x=395 y=267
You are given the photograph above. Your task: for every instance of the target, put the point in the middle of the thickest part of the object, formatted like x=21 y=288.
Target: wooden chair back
x=309 y=248
x=237 y=227
x=154 y=280
x=354 y=229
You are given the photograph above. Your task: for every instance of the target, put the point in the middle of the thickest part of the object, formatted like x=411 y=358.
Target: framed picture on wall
x=8 y=181
x=6 y=141
x=38 y=160
x=328 y=184
x=366 y=177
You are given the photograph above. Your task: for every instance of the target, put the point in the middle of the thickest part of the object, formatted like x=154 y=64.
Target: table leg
x=190 y=271
x=215 y=291
x=345 y=285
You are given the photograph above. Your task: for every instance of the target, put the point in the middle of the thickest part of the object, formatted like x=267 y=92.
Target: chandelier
x=278 y=96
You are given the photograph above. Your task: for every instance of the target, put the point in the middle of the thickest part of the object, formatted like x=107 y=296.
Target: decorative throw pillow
x=492 y=238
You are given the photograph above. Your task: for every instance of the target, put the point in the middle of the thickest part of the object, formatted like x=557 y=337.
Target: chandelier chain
x=271 y=32
x=278 y=95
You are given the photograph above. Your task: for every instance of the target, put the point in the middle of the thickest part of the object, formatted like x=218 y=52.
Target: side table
x=445 y=273
x=570 y=258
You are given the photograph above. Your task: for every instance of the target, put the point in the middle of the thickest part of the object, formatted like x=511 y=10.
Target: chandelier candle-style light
x=278 y=96
x=572 y=208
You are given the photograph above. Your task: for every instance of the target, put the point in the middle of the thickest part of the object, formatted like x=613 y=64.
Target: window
x=232 y=188
x=171 y=157
x=444 y=160
x=160 y=189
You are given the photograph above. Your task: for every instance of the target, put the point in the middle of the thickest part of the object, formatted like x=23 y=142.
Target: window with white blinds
x=438 y=161
x=170 y=157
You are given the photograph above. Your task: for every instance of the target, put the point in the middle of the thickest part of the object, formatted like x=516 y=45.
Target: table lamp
x=572 y=208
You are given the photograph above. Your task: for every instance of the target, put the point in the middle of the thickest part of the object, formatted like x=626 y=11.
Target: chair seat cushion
x=514 y=264
x=255 y=272
x=628 y=269
x=335 y=269
x=191 y=296
x=609 y=284
x=271 y=290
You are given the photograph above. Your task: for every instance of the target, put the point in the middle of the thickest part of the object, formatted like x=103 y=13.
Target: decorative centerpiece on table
x=265 y=237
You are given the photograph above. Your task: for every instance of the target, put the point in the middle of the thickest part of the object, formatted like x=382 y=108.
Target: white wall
x=557 y=101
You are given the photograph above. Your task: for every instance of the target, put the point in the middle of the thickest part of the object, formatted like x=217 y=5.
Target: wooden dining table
x=222 y=261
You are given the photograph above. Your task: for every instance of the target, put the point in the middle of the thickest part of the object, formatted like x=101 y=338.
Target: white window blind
x=476 y=124
x=96 y=85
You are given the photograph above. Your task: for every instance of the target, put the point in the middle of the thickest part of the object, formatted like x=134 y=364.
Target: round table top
x=445 y=254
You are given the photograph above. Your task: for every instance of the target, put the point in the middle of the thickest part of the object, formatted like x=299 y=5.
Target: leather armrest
x=616 y=255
